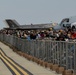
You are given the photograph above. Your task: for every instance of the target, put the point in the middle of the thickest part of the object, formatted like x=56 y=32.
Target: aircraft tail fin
x=12 y=23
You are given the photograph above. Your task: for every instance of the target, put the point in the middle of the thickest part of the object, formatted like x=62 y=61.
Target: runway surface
x=13 y=64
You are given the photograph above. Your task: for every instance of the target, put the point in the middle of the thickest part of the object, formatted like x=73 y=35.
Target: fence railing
x=58 y=52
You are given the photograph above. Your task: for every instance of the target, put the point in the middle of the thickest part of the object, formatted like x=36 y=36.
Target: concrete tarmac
x=32 y=67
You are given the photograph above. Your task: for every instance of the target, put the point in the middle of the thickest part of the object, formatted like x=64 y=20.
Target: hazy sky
x=36 y=11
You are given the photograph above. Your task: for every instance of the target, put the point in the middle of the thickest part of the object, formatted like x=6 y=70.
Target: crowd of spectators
x=59 y=35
